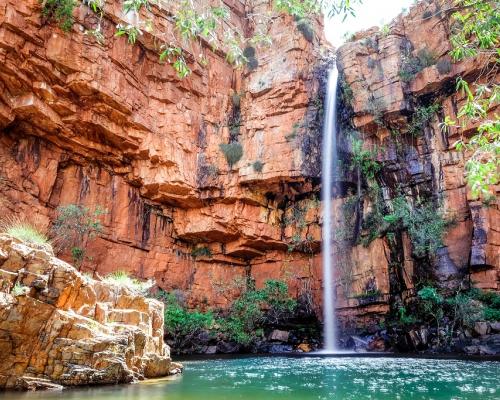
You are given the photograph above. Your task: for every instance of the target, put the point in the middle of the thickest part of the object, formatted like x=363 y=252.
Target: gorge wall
x=391 y=77
x=109 y=125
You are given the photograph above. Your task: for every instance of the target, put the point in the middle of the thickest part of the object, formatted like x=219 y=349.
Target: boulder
x=280 y=348
x=228 y=347
x=376 y=344
x=279 y=336
x=211 y=350
x=480 y=350
x=482 y=328
x=304 y=348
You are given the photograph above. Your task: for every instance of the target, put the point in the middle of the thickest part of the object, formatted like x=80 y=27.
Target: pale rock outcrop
x=59 y=327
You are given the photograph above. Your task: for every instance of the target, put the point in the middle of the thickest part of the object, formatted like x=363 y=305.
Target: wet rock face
x=72 y=330
x=391 y=75
x=109 y=125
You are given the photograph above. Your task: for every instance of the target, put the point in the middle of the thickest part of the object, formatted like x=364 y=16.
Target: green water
x=307 y=378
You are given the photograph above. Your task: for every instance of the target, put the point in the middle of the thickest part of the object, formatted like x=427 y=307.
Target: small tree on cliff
x=476 y=33
x=74 y=227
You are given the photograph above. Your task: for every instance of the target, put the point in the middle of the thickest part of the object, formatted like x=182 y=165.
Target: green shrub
x=201 y=252
x=23 y=231
x=427 y=14
x=247 y=316
x=464 y=309
x=75 y=226
x=385 y=30
x=123 y=279
x=431 y=304
x=406 y=75
x=425 y=225
x=371 y=43
x=373 y=223
x=258 y=166
x=376 y=107
x=491 y=300
x=421 y=117
x=244 y=321
x=181 y=325
x=412 y=65
x=491 y=314
x=251 y=58
x=60 y=11
x=252 y=63
x=426 y=58
x=346 y=90
x=304 y=27
x=249 y=52
x=365 y=160
x=291 y=136
x=19 y=290
x=405 y=318
x=232 y=151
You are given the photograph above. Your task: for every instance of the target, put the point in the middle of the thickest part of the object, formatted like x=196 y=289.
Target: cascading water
x=329 y=154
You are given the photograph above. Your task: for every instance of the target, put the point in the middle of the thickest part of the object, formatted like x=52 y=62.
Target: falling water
x=329 y=152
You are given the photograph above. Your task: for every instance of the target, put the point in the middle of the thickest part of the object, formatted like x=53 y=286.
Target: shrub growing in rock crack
x=426 y=58
x=258 y=166
x=232 y=151
x=202 y=251
x=123 y=279
x=304 y=27
x=60 y=11
x=250 y=55
x=422 y=116
x=23 y=231
x=74 y=226
x=443 y=66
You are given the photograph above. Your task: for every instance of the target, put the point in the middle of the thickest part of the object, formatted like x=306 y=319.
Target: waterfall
x=329 y=155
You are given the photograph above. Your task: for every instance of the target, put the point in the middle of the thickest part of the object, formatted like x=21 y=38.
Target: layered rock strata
x=388 y=77
x=61 y=328
x=109 y=125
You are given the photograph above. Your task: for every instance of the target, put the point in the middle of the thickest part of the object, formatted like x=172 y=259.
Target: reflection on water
x=306 y=378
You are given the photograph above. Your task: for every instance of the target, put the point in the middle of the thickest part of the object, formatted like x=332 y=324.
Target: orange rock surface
x=58 y=327
x=109 y=125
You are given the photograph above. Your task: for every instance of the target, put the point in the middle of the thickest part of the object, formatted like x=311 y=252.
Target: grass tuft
x=23 y=231
x=123 y=279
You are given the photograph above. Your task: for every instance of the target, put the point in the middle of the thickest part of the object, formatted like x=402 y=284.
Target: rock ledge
x=60 y=328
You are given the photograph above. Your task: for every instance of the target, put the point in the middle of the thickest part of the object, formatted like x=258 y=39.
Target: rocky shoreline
x=59 y=328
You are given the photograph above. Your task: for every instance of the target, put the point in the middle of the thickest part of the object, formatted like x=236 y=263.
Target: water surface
x=263 y=378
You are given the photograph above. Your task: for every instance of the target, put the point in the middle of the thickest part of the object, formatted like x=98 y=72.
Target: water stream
x=329 y=154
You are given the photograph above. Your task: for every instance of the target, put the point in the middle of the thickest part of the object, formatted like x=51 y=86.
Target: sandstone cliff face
x=109 y=125
x=59 y=327
x=425 y=165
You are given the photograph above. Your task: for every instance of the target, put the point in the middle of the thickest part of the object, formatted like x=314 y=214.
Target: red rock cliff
x=109 y=125
x=420 y=165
